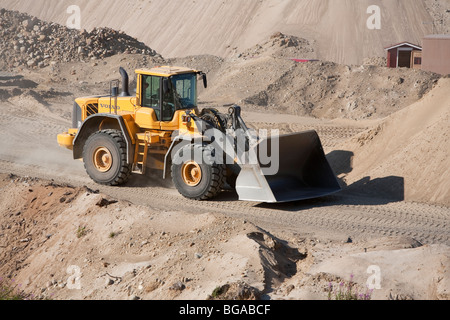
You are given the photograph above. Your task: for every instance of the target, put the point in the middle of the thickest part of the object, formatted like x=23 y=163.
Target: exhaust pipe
x=125 y=82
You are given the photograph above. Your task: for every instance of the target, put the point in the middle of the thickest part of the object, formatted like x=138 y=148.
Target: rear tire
x=195 y=179
x=105 y=158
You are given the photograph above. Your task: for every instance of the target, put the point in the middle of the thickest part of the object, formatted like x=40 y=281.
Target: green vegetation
x=218 y=291
x=81 y=231
x=10 y=291
x=348 y=290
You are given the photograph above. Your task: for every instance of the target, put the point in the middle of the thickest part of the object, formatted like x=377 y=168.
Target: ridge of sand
x=411 y=144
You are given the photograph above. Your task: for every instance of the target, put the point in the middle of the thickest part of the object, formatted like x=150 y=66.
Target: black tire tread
x=125 y=167
x=218 y=178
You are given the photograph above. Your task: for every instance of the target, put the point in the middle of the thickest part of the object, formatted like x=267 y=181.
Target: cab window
x=185 y=91
x=151 y=93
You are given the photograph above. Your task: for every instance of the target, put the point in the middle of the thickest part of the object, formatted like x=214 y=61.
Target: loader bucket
x=303 y=171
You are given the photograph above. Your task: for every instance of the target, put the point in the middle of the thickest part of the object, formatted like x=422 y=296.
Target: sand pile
x=271 y=82
x=225 y=28
x=375 y=61
x=28 y=41
x=412 y=145
x=125 y=251
x=280 y=45
x=329 y=90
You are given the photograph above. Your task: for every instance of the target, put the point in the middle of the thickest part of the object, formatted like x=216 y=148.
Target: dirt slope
x=227 y=28
x=63 y=242
x=322 y=89
x=412 y=144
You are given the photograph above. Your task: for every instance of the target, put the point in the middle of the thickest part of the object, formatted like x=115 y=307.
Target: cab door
x=152 y=93
x=149 y=97
x=169 y=114
x=157 y=103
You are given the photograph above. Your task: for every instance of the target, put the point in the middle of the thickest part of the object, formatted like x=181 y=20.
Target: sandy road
x=334 y=217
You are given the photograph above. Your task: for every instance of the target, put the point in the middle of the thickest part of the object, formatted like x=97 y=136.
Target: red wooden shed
x=404 y=55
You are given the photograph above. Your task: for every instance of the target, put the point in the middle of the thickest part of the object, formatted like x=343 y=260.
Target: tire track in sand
x=339 y=216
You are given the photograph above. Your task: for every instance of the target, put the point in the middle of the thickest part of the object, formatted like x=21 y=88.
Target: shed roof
x=402 y=44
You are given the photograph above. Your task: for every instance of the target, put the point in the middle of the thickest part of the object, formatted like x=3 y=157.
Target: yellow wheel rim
x=102 y=159
x=192 y=173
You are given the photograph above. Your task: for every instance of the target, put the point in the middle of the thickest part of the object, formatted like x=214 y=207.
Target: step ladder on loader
x=143 y=141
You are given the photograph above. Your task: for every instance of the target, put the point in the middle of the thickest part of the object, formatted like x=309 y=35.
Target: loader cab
x=166 y=90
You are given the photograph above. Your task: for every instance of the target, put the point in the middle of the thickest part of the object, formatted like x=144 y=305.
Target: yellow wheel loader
x=161 y=127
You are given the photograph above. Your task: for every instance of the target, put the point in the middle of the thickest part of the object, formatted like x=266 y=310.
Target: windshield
x=185 y=90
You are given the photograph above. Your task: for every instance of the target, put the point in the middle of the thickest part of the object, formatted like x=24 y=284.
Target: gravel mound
x=28 y=41
x=281 y=45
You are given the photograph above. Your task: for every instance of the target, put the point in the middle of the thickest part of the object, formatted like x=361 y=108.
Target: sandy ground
x=399 y=143
x=62 y=236
x=65 y=242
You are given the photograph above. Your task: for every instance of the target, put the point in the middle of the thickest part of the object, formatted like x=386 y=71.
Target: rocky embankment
x=28 y=41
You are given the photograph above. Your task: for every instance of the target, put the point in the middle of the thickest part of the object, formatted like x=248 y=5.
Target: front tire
x=195 y=175
x=105 y=158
